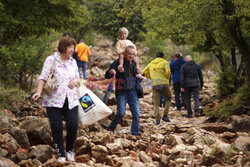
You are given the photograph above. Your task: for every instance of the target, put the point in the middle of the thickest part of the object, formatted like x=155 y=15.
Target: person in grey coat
x=190 y=72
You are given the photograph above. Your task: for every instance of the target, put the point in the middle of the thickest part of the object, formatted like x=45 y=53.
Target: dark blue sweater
x=175 y=66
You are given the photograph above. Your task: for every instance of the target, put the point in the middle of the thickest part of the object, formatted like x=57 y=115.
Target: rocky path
x=25 y=138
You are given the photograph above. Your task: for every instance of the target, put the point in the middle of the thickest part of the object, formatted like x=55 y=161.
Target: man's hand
x=112 y=72
x=182 y=90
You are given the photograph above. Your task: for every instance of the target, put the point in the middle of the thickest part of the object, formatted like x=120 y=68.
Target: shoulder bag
x=50 y=84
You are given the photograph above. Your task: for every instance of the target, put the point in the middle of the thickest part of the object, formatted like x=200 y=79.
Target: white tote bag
x=91 y=108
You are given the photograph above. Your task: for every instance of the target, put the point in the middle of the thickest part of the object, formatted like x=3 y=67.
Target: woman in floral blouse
x=64 y=100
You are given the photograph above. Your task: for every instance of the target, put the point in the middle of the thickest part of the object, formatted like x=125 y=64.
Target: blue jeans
x=195 y=91
x=82 y=64
x=132 y=99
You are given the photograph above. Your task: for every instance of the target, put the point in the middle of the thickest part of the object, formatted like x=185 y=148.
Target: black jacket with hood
x=190 y=72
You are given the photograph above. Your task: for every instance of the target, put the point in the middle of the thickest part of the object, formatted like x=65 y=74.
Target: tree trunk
x=21 y=80
x=234 y=29
x=234 y=61
x=219 y=56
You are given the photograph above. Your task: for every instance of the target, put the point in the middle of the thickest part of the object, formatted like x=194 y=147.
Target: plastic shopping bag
x=91 y=108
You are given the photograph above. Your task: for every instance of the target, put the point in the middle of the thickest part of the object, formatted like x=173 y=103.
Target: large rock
x=9 y=143
x=157 y=137
x=100 y=153
x=205 y=139
x=7 y=121
x=38 y=130
x=144 y=157
x=41 y=152
x=241 y=123
x=83 y=158
x=114 y=148
x=21 y=155
x=84 y=149
x=82 y=140
x=26 y=163
x=97 y=72
x=4 y=162
x=3 y=152
x=101 y=138
x=164 y=160
x=217 y=128
x=21 y=137
x=173 y=140
x=119 y=161
x=243 y=143
x=105 y=64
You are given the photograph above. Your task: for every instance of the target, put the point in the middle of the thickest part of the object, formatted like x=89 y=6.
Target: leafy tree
x=106 y=19
x=217 y=26
x=28 y=27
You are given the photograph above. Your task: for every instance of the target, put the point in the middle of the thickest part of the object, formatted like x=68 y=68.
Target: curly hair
x=64 y=43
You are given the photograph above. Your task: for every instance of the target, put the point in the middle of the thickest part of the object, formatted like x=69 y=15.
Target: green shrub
x=10 y=97
x=232 y=106
x=226 y=83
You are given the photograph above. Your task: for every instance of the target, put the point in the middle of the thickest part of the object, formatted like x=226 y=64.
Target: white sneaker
x=70 y=156
x=61 y=159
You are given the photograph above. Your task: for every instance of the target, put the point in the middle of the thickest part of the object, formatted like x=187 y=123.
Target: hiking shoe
x=177 y=109
x=61 y=159
x=165 y=118
x=196 y=115
x=157 y=122
x=189 y=116
x=110 y=129
x=70 y=156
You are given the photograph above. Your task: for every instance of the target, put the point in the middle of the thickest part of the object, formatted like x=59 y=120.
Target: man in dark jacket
x=190 y=72
x=175 y=66
x=128 y=90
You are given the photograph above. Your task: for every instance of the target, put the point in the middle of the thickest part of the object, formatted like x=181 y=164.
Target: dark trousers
x=71 y=118
x=195 y=91
x=177 y=92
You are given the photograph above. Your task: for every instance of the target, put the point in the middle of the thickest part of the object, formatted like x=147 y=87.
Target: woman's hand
x=73 y=83
x=36 y=96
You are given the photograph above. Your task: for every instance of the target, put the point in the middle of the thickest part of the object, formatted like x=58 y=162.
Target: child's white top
x=122 y=44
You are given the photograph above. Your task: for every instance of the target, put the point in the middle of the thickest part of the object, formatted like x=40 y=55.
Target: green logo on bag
x=86 y=102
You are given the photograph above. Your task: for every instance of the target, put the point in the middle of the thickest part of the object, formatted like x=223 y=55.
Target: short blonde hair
x=123 y=29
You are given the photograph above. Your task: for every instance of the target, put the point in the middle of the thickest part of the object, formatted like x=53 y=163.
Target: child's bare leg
x=138 y=68
x=121 y=62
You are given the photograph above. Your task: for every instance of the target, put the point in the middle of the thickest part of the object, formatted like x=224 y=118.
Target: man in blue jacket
x=128 y=90
x=190 y=72
x=175 y=66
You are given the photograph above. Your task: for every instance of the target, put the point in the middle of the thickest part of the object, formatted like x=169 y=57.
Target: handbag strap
x=53 y=66
x=83 y=51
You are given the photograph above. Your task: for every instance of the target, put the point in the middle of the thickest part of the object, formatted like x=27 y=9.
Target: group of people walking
x=63 y=101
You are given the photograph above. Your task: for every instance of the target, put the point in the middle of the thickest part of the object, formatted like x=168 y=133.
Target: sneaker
x=165 y=118
x=70 y=156
x=61 y=159
x=157 y=122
